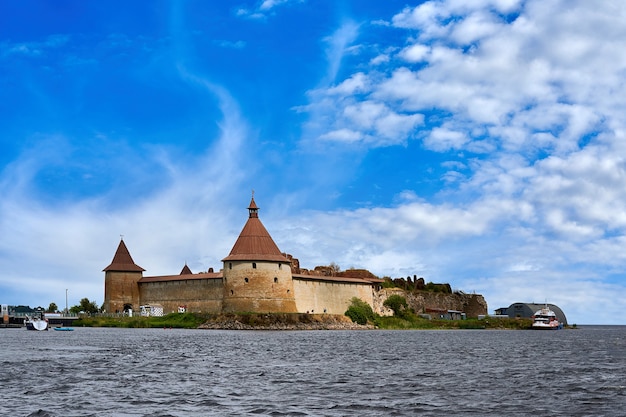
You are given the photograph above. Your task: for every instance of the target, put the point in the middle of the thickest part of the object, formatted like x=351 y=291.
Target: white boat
x=546 y=319
x=36 y=322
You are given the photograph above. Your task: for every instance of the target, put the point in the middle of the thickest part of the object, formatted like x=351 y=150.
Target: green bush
x=388 y=283
x=396 y=303
x=360 y=312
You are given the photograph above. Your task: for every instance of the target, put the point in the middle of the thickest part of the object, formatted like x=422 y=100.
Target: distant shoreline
x=296 y=321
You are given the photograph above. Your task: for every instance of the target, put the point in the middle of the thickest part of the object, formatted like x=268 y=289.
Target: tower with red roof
x=257 y=276
x=121 y=277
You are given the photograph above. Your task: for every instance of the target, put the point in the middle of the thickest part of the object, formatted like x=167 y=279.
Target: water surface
x=162 y=372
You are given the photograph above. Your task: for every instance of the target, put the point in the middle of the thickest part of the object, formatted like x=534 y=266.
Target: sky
x=477 y=143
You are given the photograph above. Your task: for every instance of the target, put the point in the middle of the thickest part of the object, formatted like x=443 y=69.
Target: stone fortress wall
x=260 y=286
x=257 y=277
x=331 y=297
x=199 y=295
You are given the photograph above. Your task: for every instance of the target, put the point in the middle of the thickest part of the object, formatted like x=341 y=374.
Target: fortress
x=256 y=277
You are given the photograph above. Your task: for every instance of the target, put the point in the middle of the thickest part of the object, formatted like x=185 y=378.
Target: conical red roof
x=122 y=261
x=186 y=270
x=254 y=242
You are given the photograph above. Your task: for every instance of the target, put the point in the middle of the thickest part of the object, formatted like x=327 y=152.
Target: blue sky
x=478 y=143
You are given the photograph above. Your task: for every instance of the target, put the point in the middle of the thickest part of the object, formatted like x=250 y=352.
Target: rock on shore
x=280 y=321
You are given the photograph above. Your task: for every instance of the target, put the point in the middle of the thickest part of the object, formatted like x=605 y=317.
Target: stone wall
x=120 y=290
x=258 y=287
x=199 y=295
x=472 y=305
x=317 y=296
x=270 y=289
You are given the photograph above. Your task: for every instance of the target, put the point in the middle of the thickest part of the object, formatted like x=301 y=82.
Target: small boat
x=36 y=322
x=64 y=329
x=546 y=319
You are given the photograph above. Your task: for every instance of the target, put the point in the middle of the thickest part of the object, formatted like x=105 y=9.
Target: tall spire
x=122 y=261
x=252 y=208
x=254 y=242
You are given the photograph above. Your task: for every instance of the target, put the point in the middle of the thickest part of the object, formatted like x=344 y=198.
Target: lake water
x=158 y=373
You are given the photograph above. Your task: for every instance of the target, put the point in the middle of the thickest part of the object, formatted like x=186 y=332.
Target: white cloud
x=269 y=4
x=380 y=59
x=415 y=53
x=441 y=139
x=338 y=44
x=263 y=9
x=357 y=83
x=342 y=135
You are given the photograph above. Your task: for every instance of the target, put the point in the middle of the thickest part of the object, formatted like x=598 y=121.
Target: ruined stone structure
x=434 y=303
x=256 y=277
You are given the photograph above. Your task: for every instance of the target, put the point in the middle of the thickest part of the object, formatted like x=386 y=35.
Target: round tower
x=121 y=282
x=257 y=276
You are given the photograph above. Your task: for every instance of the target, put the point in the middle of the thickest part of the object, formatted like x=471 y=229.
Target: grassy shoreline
x=296 y=321
x=418 y=323
x=174 y=320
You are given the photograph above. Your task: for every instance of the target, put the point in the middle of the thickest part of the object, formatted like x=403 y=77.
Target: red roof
x=184 y=277
x=254 y=242
x=354 y=280
x=186 y=270
x=122 y=261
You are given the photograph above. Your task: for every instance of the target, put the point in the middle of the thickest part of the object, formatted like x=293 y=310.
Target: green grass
x=193 y=320
x=413 y=322
x=173 y=320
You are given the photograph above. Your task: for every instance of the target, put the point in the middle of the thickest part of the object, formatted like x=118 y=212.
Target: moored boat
x=546 y=319
x=36 y=322
x=63 y=329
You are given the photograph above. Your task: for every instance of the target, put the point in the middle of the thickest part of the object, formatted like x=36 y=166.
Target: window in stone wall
x=246 y=279
x=280 y=266
x=275 y=279
x=230 y=265
x=254 y=265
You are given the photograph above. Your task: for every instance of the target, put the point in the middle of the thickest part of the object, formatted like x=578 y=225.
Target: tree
x=359 y=311
x=396 y=303
x=334 y=269
x=85 y=306
x=52 y=308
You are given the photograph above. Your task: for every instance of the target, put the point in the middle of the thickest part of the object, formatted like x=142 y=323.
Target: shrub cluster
x=397 y=304
x=360 y=312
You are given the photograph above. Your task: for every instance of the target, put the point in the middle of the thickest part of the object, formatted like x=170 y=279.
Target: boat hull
x=38 y=325
x=546 y=327
x=63 y=329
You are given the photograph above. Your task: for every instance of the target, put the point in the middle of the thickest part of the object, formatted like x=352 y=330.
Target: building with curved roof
x=527 y=310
